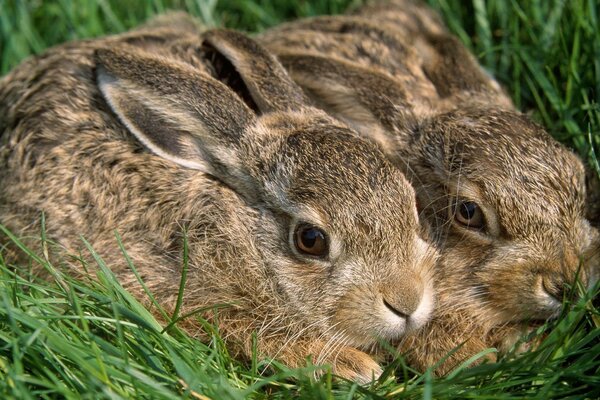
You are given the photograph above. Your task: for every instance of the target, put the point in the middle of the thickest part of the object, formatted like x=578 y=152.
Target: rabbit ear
x=177 y=112
x=453 y=69
x=258 y=72
x=370 y=102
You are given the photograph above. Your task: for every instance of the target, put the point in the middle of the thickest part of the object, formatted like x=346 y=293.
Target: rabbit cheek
x=305 y=286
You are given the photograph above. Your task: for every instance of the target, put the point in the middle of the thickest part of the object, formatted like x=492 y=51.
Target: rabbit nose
x=395 y=310
x=559 y=289
x=554 y=288
x=402 y=304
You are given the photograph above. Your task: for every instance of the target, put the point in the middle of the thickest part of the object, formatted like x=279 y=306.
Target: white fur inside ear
x=116 y=91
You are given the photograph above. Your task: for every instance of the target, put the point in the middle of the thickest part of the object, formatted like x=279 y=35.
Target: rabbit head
x=509 y=204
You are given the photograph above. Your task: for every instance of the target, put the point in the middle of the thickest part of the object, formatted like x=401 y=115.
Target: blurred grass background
x=73 y=339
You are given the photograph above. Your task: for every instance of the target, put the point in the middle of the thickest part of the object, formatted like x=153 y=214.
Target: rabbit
x=505 y=201
x=303 y=229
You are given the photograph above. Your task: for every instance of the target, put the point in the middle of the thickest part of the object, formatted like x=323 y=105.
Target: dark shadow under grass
x=69 y=338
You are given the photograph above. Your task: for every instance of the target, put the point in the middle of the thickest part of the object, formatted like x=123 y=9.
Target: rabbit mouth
x=364 y=324
x=399 y=323
x=549 y=300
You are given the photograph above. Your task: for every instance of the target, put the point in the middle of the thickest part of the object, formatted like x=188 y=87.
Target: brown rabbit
x=505 y=200
x=303 y=228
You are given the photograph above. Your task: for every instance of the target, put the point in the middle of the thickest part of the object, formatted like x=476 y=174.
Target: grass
x=66 y=338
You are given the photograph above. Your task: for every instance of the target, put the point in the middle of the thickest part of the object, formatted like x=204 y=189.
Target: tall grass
x=67 y=338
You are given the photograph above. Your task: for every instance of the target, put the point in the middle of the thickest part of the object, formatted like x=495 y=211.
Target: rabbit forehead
x=305 y=161
x=517 y=167
x=528 y=199
x=510 y=143
x=341 y=174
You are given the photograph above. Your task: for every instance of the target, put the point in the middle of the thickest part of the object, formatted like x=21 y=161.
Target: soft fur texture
x=394 y=73
x=165 y=129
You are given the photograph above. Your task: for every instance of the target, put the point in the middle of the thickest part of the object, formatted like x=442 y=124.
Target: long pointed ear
x=177 y=112
x=454 y=70
x=370 y=102
x=263 y=77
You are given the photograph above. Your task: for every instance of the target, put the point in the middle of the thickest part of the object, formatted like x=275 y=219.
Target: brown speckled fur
x=65 y=151
x=393 y=72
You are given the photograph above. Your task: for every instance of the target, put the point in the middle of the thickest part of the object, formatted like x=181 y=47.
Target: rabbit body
x=504 y=200
x=304 y=230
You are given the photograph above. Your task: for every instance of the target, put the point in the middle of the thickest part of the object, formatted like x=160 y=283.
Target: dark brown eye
x=311 y=240
x=469 y=214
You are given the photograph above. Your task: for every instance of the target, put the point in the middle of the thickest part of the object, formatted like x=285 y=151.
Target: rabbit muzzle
x=536 y=288
x=384 y=301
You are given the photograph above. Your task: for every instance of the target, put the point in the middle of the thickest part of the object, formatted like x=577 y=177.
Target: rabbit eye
x=469 y=214
x=311 y=241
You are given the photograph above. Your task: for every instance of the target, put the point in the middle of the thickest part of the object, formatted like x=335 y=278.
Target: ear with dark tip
x=179 y=113
x=267 y=82
x=370 y=102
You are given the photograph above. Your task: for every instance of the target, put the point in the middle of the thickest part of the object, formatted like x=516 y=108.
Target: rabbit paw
x=356 y=365
x=513 y=339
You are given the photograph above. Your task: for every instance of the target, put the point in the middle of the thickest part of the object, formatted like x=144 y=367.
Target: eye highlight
x=469 y=214
x=310 y=240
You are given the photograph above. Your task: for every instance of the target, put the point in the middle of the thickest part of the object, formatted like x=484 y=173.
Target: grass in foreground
x=68 y=338
x=74 y=339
